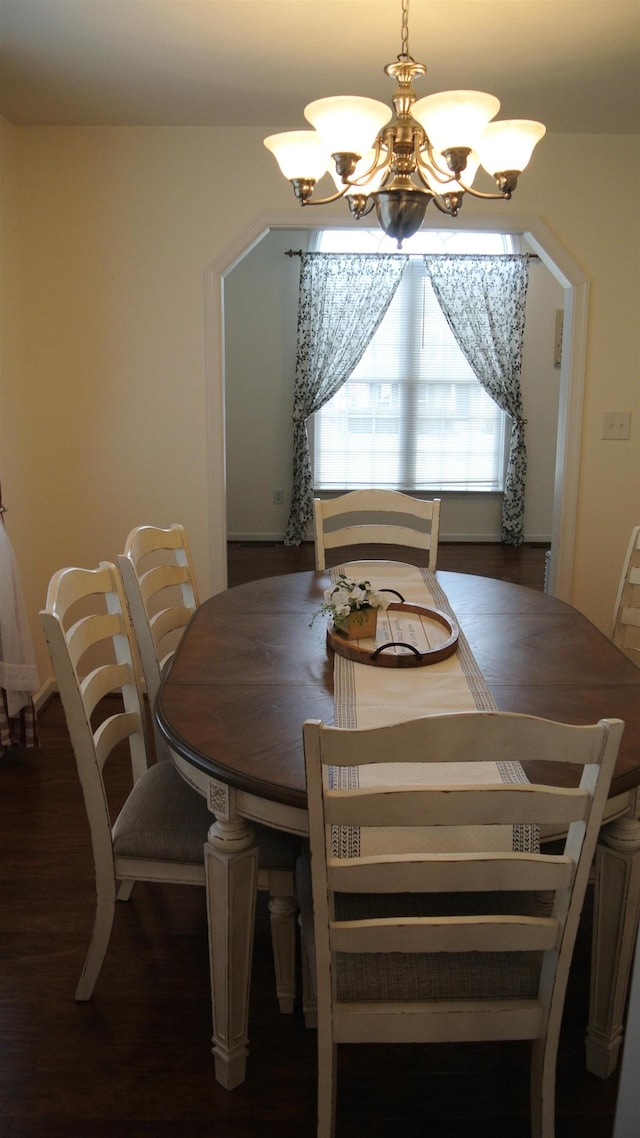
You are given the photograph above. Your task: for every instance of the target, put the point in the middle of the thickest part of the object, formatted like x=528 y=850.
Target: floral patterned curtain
x=483 y=299
x=342 y=299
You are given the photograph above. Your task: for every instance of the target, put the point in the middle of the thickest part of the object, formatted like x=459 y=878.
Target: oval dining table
x=252 y=667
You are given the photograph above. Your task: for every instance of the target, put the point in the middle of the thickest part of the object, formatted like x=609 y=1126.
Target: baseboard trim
x=44 y=694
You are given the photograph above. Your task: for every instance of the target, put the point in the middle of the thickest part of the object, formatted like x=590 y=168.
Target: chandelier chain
x=404 y=50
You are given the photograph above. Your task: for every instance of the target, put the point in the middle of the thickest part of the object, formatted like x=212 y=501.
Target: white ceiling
x=573 y=64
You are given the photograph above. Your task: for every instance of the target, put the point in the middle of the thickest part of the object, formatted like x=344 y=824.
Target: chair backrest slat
x=446 y=873
x=468 y=738
x=446 y=934
x=168 y=621
x=163 y=577
x=113 y=731
x=102 y=681
x=376 y=517
x=455 y=805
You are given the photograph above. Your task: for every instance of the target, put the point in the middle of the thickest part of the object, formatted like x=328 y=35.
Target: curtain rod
x=304 y=252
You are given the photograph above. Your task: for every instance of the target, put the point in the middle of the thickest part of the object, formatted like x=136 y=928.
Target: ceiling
x=573 y=64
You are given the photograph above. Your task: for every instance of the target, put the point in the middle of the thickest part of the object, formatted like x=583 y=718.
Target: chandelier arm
x=427 y=185
x=442 y=208
x=423 y=169
x=446 y=173
x=375 y=166
x=323 y=201
x=481 y=194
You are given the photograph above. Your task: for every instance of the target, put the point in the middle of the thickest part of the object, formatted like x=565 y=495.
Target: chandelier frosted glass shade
x=508 y=145
x=347 y=124
x=455 y=119
x=300 y=154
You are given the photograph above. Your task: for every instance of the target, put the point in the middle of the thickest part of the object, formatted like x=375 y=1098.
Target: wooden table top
x=249 y=670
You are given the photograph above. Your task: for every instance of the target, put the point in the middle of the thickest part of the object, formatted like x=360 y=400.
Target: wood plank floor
x=135 y=1062
x=524 y=565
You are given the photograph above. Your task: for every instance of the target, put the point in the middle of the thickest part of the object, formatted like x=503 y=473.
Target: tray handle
x=395 y=644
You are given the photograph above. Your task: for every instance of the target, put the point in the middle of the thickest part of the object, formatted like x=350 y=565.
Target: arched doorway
x=560 y=265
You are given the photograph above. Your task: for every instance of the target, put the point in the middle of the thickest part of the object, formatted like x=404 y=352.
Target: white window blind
x=412 y=415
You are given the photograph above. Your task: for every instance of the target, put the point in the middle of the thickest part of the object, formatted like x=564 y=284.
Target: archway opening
x=559 y=264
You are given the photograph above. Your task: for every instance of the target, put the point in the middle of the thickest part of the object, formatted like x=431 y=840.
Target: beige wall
x=106 y=235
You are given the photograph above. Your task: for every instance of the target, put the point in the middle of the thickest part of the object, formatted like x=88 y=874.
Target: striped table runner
x=369 y=696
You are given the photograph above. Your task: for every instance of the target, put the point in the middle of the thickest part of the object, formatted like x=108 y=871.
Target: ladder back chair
x=439 y=947
x=159 y=833
x=162 y=594
x=376 y=517
x=625 y=630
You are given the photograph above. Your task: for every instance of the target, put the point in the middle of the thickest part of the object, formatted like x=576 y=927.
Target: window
x=412 y=415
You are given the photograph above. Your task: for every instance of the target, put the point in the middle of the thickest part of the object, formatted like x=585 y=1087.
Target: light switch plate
x=616 y=424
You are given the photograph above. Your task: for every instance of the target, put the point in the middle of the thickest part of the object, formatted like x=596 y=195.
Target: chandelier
x=430 y=151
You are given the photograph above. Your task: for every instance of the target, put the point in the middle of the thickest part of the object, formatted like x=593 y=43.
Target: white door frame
x=572 y=374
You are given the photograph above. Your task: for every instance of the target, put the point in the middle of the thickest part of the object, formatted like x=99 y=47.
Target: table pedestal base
x=615 y=921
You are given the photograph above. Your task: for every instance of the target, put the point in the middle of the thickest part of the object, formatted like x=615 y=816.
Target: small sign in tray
x=408 y=636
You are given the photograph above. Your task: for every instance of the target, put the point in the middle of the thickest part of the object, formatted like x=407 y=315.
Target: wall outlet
x=278 y=497
x=616 y=424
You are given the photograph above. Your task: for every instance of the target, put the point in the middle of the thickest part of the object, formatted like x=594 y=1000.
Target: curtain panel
x=483 y=299
x=342 y=299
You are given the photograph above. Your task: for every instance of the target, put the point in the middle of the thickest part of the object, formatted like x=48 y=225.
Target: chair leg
x=103 y=923
x=309 y=998
x=283 y=910
x=327 y=1075
x=543 y=1088
x=125 y=890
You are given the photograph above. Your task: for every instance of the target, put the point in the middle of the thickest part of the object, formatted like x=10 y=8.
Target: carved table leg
x=231 y=861
x=283 y=911
x=615 y=921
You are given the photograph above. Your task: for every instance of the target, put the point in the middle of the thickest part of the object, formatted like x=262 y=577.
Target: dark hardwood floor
x=524 y=566
x=135 y=1062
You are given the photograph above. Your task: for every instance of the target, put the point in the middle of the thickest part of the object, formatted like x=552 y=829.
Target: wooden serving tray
x=399 y=653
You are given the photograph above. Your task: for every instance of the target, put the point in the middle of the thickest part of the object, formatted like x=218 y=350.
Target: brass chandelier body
x=404 y=169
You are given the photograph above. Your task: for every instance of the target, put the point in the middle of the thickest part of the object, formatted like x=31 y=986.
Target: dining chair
x=625 y=628
x=429 y=946
x=160 y=831
x=162 y=594
x=376 y=517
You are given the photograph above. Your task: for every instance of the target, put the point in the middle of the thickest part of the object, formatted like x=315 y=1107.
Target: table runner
x=369 y=696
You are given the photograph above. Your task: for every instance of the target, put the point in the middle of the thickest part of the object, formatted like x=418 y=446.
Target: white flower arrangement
x=347 y=596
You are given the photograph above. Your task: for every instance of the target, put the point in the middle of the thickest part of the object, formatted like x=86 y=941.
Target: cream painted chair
x=466 y=950
x=625 y=630
x=376 y=517
x=159 y=833
x=162 y=594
